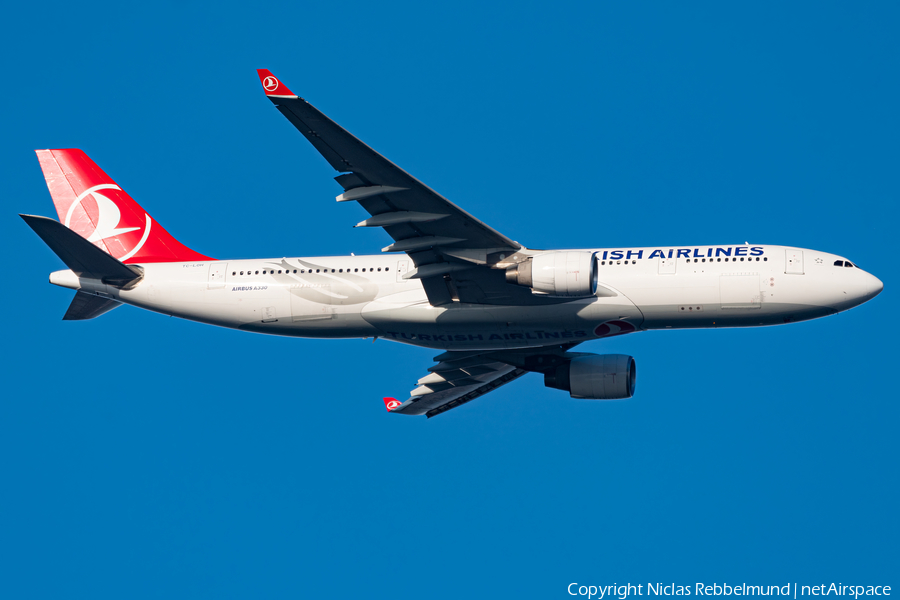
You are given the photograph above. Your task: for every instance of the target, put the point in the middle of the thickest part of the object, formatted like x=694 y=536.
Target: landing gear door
x=402 y=268
x=793 y=262
x=217 y=275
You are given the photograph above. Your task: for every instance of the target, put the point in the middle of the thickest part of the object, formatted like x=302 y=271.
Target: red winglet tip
x=391 y=403
x=272 y=85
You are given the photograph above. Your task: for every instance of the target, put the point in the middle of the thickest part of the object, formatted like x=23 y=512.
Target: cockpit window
x=839 y=263
x=848 y=263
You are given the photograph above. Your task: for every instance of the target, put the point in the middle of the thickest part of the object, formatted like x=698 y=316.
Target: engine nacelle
x=568 y=274
x=595 y=377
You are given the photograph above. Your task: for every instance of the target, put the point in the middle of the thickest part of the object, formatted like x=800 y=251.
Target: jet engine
x=569 y=274
x=595 y=377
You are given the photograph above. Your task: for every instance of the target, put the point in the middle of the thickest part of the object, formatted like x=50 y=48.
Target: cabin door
x=402 y=268
x=793 y=262
x=667 y=265
x=217 y=275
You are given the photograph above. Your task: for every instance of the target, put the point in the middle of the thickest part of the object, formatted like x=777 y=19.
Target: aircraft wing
x=439 y=237
x=460 y=377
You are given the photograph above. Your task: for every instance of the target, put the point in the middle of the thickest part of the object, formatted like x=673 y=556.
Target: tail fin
x=391 y=403
x=90 y=203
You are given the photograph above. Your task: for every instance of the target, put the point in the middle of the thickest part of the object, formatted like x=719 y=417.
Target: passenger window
x=242 y=272
x=234 y=272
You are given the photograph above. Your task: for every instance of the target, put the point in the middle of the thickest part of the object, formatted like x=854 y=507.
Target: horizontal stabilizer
x=81 y=256
x=86 y=306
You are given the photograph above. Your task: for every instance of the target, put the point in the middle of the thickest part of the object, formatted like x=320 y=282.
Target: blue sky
x=146 y=456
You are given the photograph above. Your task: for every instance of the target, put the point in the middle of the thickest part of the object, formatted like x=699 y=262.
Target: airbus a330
x=494 y=308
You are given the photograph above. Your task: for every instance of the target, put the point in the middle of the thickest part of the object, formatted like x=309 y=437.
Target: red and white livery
x=494 y=308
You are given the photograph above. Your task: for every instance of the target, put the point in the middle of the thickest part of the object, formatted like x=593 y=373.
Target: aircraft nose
x=874 y=286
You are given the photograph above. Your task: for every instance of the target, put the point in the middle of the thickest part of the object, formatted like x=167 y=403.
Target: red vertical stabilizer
x=90 y=203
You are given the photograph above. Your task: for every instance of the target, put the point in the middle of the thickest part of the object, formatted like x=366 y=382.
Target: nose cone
x=851 y=288
x=874 y=286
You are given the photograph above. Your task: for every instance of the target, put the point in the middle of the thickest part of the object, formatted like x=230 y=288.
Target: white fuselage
x=367 y=296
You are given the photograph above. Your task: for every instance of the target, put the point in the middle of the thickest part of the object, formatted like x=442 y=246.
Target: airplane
x=494 y=308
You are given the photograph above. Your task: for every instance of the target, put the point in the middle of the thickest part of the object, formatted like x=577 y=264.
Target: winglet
x=391 y=403
x=272 y=85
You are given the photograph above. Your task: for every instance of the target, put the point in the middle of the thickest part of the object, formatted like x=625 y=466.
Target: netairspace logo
x=791 y=590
